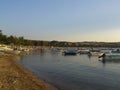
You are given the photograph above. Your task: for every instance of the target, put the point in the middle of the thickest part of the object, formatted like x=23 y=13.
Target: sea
x=72 y=72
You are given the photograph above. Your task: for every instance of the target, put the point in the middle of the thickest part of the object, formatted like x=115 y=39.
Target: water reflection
x=104 y=62
x=42 y=52
x=89 y=56
x=117 y=61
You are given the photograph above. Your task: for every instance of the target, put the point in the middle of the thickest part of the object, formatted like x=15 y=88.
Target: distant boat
x=1 y=49
x=116 y=51
x=70 y=52
x=84 y=51
x=96 y=53
x=106 y=51
x=16 y=52
x=112 y=56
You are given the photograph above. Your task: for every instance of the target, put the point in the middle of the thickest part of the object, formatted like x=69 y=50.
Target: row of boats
x=102 y=53
x=5 y=49
x=106 y=54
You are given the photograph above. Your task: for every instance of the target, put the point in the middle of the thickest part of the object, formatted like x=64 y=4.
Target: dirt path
x=15 y=77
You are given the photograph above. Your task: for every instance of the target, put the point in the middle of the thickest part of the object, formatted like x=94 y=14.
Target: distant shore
x=15 y=77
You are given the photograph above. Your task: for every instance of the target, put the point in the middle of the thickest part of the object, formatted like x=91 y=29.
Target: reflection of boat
x=112 y=56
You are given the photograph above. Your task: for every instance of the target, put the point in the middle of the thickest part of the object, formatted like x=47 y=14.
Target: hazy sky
x=62 y=20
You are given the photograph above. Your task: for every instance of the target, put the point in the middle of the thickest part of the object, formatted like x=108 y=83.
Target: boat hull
x=96 y=53
x=67 y=53
x=111 y=57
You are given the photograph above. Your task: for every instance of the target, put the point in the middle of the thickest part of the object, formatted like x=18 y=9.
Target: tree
x=0 y=31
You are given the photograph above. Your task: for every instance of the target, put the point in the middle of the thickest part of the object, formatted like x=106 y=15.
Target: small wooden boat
x=96 y=53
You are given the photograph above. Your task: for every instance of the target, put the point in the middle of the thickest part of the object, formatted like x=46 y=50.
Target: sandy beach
x=15 y=77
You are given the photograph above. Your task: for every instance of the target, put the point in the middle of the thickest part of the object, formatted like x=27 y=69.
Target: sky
x=62 y=20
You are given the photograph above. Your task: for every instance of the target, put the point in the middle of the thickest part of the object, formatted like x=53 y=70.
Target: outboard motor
x=103 y=57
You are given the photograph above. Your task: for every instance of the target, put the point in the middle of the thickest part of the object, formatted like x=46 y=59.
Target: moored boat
x=116 y=51
x=70 y=52
x=106 y=51
x=96 y=53
x=84 y=51
x=112 y=56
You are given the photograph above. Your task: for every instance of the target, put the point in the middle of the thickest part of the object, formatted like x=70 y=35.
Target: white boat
x=116 y=51
x=112 y=56
x=5 y=48
x=1 y=50
x=107 y=51
x=16 y=52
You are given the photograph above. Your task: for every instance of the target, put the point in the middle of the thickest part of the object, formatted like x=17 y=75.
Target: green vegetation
x=13 y=40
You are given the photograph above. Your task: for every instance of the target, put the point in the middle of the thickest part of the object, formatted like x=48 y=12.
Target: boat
x=70 y=52
x=112 y=56
x=106 y=51
x=84 y=51
x=16 y=52
x=96 y=53
x=116 y=51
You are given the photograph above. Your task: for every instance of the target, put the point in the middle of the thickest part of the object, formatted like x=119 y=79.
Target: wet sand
x=15 y=77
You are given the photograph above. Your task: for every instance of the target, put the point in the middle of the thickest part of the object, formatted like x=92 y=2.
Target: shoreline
x=15 y=77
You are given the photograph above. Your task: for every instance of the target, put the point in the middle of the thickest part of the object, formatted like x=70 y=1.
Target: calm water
x=73 y=72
